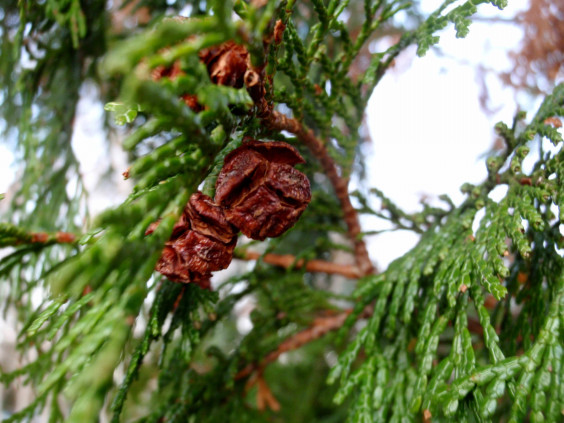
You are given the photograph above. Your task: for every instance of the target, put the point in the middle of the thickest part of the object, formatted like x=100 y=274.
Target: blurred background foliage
x=466 y=326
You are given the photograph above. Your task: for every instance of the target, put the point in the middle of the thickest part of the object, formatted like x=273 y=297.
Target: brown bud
x=202 y=241
x=191 y=100
x=262 y=193
x=554 y=121
x=65 y=237
x=279 y=32
x=39 y=237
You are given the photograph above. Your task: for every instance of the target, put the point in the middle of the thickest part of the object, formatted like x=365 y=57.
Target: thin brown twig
x=318 y=266
x=279 y=122
x=265 y=398
x=319 y=327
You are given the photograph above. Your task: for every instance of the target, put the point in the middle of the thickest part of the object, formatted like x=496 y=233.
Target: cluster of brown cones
x=228 y=64
x=258 y=192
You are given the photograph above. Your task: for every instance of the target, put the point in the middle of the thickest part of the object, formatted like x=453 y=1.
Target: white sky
x=427 y=127
x=429 y=132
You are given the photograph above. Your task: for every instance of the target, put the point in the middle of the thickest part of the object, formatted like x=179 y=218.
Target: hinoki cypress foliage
x=467 y=326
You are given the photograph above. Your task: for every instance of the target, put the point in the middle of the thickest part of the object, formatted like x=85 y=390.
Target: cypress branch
x=466 y=326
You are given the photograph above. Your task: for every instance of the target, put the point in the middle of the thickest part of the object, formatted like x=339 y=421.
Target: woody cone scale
x=258 y=192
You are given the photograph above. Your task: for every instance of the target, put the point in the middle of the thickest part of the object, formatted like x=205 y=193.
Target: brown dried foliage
x=542 y=49
x=262 y=193
x=554 y=121
x=279 y=29
x=265 y=398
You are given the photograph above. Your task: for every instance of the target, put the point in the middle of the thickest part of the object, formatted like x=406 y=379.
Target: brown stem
x=319 y=327
x=279 y=122
x=288 y=260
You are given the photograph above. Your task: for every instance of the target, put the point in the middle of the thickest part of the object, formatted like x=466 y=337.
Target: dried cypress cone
x=261 y=192
x=202 y=241
x=227 y=63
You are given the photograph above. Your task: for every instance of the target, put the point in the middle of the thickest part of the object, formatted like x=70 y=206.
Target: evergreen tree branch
x=12 y=235
x=279 y=122
x=316 y=266
x=491 y=274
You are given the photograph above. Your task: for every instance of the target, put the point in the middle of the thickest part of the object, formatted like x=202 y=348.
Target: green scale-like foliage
x=429 y=295
x=111 y=337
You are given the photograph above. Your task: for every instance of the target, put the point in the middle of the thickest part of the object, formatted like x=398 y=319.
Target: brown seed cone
x=226 y=63
x=262 y=193
x=202 y=241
